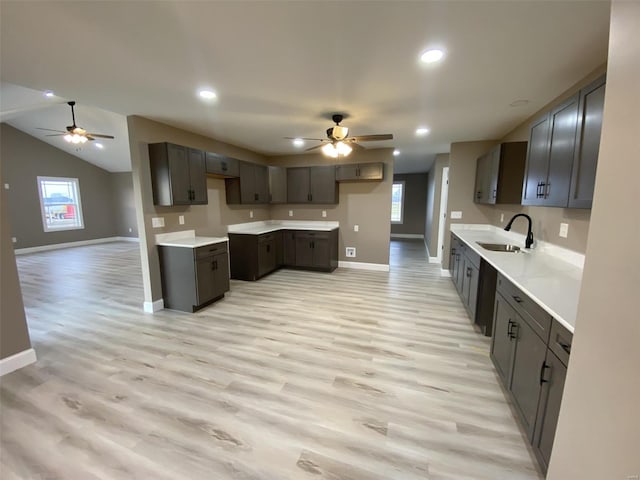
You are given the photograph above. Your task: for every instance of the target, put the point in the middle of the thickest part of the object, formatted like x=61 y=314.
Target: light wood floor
x=301 y=375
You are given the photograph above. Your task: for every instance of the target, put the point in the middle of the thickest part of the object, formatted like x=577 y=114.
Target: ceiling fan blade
x=313 y=148
x=99 y=135
x=50 y=130
x=373 y=138
x=305 y=138
x=356 y=146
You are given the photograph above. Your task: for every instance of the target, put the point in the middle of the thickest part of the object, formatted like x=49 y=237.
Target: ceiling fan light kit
x=336 y=150
x=75 y=134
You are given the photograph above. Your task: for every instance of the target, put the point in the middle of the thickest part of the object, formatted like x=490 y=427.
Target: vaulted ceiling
x=281 y=68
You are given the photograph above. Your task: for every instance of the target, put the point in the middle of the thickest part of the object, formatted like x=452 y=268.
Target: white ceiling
x=280 y=68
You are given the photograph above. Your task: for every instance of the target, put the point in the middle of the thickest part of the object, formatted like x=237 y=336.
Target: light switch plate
x=291 y=213
x=502 y=217
x=324 y=213
x=181 y=219
x=564 y=230
x=14 y=239
x=350 y=252
x=250 y=213
x=457 y=215
x=6 y=186
x=356 y=228
x=157 y=222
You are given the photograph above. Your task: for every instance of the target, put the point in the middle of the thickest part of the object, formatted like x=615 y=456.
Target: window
x=397 y=202
x=60 y=204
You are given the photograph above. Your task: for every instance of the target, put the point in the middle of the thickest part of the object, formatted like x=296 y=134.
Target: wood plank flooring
x=301 y=375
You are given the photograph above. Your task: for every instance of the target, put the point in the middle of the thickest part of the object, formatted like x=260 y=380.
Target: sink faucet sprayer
x=529 y=241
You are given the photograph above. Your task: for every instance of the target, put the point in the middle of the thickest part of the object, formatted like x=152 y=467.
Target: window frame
x=402 y=197
x=78 y=204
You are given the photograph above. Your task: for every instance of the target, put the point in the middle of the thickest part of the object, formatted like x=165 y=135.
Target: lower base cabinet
x=193 y=277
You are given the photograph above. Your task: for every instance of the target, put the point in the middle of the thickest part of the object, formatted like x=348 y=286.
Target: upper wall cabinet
x=359 y=172
x=251 y=187
x=312 y=185
x=221 y=165
x=499 y=174
x=587 y=145
x=177 y=175
x=277 y=185
x=563 y=151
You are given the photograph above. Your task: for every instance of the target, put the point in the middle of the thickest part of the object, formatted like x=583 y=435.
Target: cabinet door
x=370 y=171
x=482 y=167
x=322 y=184
x=585 y=160
x=289 y=257
x=564 y=120
x=197 y=177
x=346 y=172
x=220 y=165
x=452 y=256
x=220 y=274
x=247 y=183
x=493 y=167
x=528 y=362
x=179 y=174
x=277 y=185
x=304 y=251
x=205 y=285
x=472 y=293
x=261 y=173
x=279 y=244
x=553 y=378
x=321 y=252
x=298 y=185
x=460 y=268
x=266 y=257
x=537 y=162
x=502 y=344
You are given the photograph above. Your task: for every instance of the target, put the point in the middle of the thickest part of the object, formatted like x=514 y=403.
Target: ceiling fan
x=74 y=133
x=338 y=142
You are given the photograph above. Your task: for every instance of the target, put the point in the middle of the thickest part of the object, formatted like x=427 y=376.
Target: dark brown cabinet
x=251 y=187
x=277 y=185
x=360 y=172
x=500 y=173
x=193 y=277
x=587 y=144
x=312 y=185
x=222 y=165
x=289 y=246
x=313 y=250
x=178 y=175
x=253 y=256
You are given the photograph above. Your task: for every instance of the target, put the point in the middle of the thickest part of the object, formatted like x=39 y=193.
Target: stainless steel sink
x=500 y=247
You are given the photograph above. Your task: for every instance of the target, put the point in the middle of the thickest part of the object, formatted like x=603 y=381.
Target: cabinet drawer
x=472 y=256
x=313 y=235
x=208 y=250
x=531 y=312
x=560 y=341
x=267 y=237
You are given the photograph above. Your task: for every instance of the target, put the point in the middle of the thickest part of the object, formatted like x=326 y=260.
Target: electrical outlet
x=457 y=215
x=564 y=230
x=502 y=217
x=14 y=239
x=130 y=230
x=6 y=186
x=356 y=228
x=291 y=213
x=157 y=222
x=324 y=214
x=250 y=213
x=181 y=219
x=351 y=252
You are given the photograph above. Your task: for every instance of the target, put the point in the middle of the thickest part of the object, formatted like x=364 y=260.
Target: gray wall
x=14 y=335
x=598 y=435
x=125 y=209
x=432 y=223
x=415 y=203
x=25 y=158
x=366 y=204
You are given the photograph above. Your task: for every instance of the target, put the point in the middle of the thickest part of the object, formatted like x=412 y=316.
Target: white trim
x=407 y=235
x=380 y=267
x=403 y=191
x=57 y=246
x=79 y=225
x=442 y=215
x=152 y=307
x=445 y=273
x=19 y=360
x=434 y=260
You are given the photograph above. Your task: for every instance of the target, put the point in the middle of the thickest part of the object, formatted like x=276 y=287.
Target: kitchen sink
x=500 y=247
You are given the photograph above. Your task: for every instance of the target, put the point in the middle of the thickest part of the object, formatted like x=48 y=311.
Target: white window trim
x=45 y=226
x=401 y=221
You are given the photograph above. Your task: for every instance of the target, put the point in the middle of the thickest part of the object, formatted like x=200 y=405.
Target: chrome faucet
x=529 y=241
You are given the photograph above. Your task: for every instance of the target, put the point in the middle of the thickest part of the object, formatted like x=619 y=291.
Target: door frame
x=442 y=216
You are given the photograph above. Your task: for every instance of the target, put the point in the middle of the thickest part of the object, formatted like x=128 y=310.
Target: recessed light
x=99 y=145
x=207 y=94
x=298 y=142
x=422 y=131
x=519 y=103
x=431 y=56
x=49 y=94
x=396 y=152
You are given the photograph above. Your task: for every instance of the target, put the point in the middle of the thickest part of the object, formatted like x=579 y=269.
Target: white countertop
x=549 y=275
x=258 y=228
x=186 y=239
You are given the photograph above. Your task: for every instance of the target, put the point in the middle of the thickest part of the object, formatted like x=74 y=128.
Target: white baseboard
x=407 y=235
x=152 y=307
x=57 y=246
x=19 y=360
x=445 y=273
x=434 y=260
x=380 y=267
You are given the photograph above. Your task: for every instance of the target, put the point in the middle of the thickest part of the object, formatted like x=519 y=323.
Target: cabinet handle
x=268 y=248
x=540 y=193
x=510 y=333
x=494 y=193
x=255 y=196
x=565 y=346
x=311 y=197
x=313 y=244
x=543 y=367
x=478 y=194
x=469 y=272
x=224 y=166
x=517 y=298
